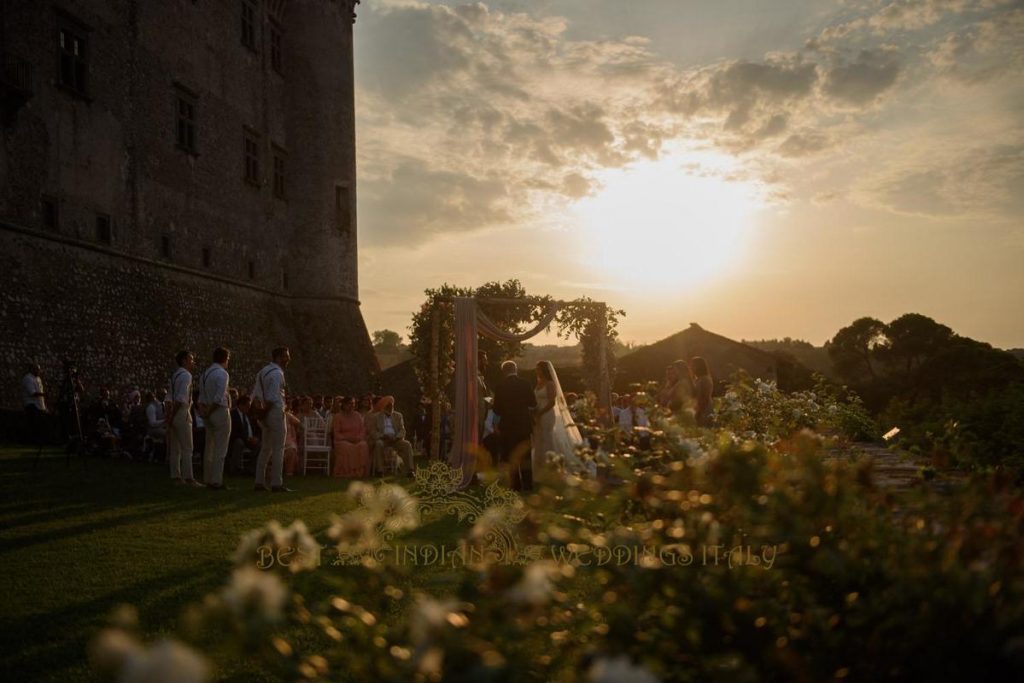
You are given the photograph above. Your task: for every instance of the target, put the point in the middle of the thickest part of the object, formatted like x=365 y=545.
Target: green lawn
x=76 y=541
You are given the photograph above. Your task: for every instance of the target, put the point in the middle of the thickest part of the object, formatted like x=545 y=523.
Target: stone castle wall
x=121 y=321
x=198 y=256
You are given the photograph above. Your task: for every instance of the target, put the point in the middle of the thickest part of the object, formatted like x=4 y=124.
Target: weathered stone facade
x=132 y=225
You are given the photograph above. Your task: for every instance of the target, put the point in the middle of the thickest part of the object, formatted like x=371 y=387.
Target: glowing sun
x=666 y=224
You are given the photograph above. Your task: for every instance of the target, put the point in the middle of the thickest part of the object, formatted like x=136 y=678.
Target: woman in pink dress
x=351 y=451
x=291 y=439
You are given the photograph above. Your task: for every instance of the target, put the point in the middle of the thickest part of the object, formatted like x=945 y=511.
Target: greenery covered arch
x=507 y=304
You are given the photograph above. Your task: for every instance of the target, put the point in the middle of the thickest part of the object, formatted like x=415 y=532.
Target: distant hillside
x=1019 y=353
x=813 y=357
x=562 y=356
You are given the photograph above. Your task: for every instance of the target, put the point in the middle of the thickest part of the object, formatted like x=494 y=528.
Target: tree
x=854 y=347
x=914 y=339
x=387 y=341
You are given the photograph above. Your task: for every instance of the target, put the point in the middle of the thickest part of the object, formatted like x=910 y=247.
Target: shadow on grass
x=48 y=642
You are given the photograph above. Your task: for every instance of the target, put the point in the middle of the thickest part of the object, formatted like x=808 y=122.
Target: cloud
x=978 y=182
x=860 y=82
x=471 y=118
x=434 y=201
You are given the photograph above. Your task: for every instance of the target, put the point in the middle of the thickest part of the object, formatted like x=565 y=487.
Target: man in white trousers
x=269 y=388
x=215 y=406
x=179 y=431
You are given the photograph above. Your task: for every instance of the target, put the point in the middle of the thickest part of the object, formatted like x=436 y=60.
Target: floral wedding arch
x=444 y=342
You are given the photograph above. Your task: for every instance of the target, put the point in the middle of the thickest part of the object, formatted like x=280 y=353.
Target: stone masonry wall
x=122 y=321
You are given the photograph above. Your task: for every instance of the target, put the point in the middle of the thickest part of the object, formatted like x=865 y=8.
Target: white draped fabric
x=470 y=321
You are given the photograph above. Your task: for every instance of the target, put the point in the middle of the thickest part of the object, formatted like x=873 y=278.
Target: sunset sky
x=764 y=168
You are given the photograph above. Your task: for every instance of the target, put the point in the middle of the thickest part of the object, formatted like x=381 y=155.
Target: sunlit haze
x=763 y=169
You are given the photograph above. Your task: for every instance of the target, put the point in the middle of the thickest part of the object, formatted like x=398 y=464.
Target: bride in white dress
x=554 y=431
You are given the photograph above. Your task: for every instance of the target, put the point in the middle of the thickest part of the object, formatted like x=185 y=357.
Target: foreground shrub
x=715 y=558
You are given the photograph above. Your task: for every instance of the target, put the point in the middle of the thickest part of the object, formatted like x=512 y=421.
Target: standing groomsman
x=215 y=406
x=179 y=431
x=269 y=388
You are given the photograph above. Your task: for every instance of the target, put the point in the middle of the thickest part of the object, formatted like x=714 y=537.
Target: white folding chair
x=316 y=446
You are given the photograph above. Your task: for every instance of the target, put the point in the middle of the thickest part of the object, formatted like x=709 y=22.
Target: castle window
x=72 y=64
x=252 y=158
x=279 y=185
x=342 y=208
x=275 y=47
x=186 y=120
x=165 y=247
x=206 y=257
x=51 y=219
x=249 y=24
x=104 y=233
x=252 y=270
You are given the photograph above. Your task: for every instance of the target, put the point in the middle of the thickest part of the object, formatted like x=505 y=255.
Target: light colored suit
x=391 y=435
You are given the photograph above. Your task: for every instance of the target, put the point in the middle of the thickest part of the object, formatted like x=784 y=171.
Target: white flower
x=354 y=532
x=255 y=593
x=536 y=586
x=393 y=507
x=167 y=661
x=293 y=544
x=112 y=648
x=431 y=617
x=619 y=670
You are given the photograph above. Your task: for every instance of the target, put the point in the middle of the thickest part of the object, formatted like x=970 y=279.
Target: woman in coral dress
x=291 y=439
x=351 y=451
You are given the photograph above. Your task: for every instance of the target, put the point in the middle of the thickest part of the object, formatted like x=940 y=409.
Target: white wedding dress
x=554 y=432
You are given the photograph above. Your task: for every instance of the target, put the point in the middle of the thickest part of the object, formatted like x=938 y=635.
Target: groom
x=514 y=402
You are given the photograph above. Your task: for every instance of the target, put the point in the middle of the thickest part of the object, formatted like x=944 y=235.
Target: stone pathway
x=897 y=470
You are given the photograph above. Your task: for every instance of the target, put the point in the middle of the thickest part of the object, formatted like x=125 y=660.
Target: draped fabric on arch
x=470 y=321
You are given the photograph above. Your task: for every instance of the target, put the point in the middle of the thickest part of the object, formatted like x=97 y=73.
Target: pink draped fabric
x=464 y=432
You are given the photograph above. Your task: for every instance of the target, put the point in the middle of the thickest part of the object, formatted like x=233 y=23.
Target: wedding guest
x=351 y=451
x=243 y=435
x=704 y=388
x=389 y=432
x=156 y=425
x=198 y=427
x=676 y=391
x=269 y=389
x=179 y=433
x=34 y=402
x=307 y=407
x=366 y=405
x=335 y=409
x=321 y=406
x=631 y=417
x=291 y=441
x=216 y=402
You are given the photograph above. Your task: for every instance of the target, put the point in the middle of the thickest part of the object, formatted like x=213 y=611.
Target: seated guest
x=335 y=409
x=320 y=406
x=389 y=430
x=491 y=441
x=307 y=408
x=291 y=439
x=632 y=416
x=243 y=434
x=106 y=409
x=156 y=422
x=367 y=404
x=351 y=451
